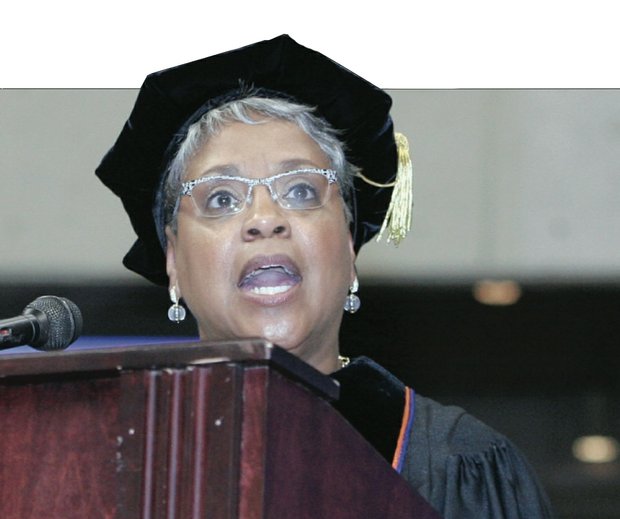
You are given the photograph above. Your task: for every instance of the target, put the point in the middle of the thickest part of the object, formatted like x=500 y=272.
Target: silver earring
x=176 y=313
x=352 y=302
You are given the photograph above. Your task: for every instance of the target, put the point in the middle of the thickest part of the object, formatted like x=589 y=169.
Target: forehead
x=269 y=147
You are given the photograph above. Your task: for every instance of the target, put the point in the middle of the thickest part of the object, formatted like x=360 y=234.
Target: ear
x=171 y=265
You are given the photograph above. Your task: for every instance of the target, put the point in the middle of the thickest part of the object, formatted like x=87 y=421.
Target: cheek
x=201 y=263
x=332 y=258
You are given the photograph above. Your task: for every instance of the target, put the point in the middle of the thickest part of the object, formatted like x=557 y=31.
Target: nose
x=265 y=218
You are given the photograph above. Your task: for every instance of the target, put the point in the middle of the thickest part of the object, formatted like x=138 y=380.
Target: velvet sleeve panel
x=467 y=470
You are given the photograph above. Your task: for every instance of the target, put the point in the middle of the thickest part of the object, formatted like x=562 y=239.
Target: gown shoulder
x=468 y=470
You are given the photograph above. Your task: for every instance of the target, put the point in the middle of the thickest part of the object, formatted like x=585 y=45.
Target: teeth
x=269 y=291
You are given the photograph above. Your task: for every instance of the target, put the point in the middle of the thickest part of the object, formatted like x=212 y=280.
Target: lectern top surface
x=166 y=356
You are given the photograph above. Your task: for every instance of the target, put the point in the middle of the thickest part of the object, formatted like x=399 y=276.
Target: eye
x=221 y=201
x=300 y=192
x=219 y=197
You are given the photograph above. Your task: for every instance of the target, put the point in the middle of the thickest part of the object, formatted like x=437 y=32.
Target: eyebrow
x=282 y=167
x=223 y=169
x=288 y=165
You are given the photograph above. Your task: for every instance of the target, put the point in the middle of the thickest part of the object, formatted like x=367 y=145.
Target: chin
x=280 y=334
x=283 y=332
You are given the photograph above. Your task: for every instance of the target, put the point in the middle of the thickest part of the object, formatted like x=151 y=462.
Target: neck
x=328 y=365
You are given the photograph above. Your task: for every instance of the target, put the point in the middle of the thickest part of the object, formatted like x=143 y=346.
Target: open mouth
x=269 y=276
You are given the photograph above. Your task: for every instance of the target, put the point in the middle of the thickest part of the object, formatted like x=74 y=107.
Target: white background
x=439 y=44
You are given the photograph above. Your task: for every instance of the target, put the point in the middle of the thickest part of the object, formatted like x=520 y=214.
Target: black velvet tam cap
x=170 y=100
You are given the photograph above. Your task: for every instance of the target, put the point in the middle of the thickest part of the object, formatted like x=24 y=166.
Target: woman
x=274 y=258
x=252 y=179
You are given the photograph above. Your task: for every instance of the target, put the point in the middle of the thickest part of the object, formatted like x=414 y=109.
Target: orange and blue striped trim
x=405 y=430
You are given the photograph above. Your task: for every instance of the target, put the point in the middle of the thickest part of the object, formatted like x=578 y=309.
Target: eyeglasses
x=222 y=195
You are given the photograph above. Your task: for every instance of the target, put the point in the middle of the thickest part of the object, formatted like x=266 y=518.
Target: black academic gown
x=463 y=468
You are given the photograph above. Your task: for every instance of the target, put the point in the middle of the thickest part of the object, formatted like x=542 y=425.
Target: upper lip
x=263 y=262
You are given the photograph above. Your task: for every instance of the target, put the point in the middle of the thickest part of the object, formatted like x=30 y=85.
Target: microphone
x=48 y=323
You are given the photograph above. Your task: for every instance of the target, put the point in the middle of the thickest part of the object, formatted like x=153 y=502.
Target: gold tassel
x=398 y=217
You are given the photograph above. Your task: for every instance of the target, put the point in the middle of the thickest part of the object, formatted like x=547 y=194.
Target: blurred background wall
x=521 y=183
x=504 y=299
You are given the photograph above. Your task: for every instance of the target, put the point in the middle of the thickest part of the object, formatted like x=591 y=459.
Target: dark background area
x=543 y=371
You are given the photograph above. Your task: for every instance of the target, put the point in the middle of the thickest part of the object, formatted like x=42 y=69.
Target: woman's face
x=267 y=271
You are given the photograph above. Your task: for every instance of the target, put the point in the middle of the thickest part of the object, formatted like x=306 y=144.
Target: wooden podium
x=185 y=431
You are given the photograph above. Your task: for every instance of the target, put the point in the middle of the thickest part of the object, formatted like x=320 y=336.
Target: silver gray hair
x=245 y=111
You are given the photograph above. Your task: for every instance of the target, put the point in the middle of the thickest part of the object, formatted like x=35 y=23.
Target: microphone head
x=64 y=322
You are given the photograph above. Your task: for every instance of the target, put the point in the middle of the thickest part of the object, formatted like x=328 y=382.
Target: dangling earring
x=352 y=302
x=176 y=313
